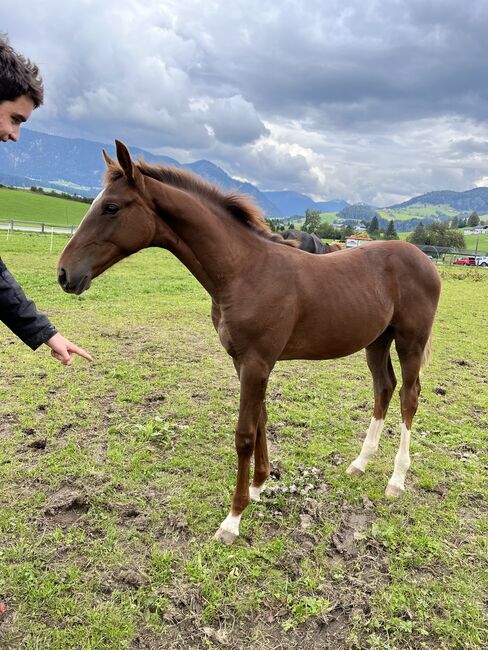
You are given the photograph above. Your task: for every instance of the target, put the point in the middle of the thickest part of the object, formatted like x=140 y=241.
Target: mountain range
x=475 y=199
x=76 y=166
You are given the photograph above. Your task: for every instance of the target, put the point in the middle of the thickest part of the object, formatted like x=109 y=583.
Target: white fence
x=35 y=226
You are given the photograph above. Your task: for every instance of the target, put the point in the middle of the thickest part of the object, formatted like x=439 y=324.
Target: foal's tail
x=427 y=353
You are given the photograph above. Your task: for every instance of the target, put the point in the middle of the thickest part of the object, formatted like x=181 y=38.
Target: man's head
x=21 y=91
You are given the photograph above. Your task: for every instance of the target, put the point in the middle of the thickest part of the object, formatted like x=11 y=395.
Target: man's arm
x=20 y=314
x=32 y=326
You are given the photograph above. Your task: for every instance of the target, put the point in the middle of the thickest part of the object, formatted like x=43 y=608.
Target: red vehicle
x=470 y=260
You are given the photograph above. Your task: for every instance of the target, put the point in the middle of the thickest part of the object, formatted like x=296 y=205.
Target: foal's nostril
x=62 y=277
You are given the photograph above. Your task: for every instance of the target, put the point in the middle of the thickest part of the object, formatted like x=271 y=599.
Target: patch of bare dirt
x=355 y=525
x=7 y=423
x=66 y=506
x=357 y=568
x=133 y=517
x=130 y=578
x=155 y=398
x=38 y=443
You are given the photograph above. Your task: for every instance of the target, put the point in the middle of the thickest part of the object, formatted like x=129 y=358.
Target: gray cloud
x=233 y=120
x=369 y=100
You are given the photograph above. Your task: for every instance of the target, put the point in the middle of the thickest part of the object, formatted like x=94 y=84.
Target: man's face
x=12 y=115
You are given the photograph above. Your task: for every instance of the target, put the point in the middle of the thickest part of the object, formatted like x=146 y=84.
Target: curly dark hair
x=18 y=76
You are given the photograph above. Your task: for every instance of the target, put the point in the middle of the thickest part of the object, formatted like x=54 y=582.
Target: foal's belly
x=332 y=342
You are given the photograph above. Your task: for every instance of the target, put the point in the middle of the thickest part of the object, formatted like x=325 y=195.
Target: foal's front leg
x=261 y=461
x=254 y=379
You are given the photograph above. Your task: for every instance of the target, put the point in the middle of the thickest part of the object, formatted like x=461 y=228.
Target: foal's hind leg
x=411 y=355
x=261 y=461
x=384 y=382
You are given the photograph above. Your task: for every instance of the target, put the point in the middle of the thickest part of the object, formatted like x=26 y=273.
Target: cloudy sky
x=366 y=100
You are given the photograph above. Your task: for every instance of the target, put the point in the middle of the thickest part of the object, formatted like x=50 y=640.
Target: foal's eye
x=111 y=208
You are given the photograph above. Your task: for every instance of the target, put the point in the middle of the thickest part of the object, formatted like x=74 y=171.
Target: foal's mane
x=241 y=207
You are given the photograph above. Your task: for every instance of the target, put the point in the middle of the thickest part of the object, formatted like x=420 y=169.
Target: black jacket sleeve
x=20 y=314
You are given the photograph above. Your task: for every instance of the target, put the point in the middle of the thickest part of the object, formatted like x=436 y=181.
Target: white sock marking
x=231 y=524
x=370 y=444
x=255 y=492
x=402 y=459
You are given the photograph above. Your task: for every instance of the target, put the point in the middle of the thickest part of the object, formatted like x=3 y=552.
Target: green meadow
x=477 y=242
x=115 y=475
x=24 y=205
x=418 y=212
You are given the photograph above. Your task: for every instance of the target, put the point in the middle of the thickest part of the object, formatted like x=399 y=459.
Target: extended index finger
x=81 y=352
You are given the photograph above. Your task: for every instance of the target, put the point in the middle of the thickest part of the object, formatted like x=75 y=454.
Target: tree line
x=437 y=233
x=444 y=234
x=61 y=195
x=313 y=224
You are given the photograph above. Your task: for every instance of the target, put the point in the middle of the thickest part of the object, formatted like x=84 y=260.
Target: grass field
x=24 y=205
x=418 y=212
x=115 y=475
x=476 y=241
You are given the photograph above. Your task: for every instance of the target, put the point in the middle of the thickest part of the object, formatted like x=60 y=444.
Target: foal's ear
x=132 y=174
x=125 y=161
x=108 y=160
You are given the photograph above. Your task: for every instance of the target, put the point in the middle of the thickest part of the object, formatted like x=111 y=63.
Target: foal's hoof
x=225 y=536
x=352 y=470
x=393 y=491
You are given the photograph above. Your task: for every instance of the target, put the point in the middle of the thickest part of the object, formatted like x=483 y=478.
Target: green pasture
x=115 y=475
x=24 y=205
x=474 y=242
x=328 y=217
x=418 y=212
x=413 y=212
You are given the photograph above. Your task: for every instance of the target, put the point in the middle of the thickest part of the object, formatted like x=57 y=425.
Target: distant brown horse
x=310 y=242
x=270 y=301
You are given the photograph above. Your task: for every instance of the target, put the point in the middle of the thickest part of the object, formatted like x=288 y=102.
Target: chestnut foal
x=270 y=301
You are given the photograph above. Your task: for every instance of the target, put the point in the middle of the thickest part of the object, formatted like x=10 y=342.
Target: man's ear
x=132 y=174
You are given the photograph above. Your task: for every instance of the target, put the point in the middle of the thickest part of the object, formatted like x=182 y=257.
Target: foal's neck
x=214 y=245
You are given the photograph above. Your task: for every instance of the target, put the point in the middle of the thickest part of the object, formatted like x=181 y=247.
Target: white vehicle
x=482 y=261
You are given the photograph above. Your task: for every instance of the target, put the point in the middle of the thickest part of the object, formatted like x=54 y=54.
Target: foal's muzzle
x=74 y=285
